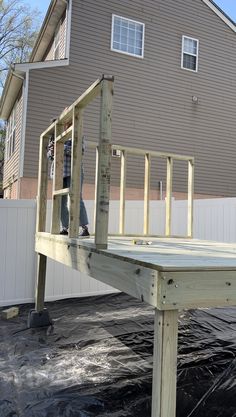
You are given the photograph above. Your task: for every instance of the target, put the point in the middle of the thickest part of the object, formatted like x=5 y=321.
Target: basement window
x=127 y=36
x=189 y=60
x=11 y=134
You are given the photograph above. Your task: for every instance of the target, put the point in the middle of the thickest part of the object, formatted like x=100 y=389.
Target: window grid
x=127 y=36
x=189 y=58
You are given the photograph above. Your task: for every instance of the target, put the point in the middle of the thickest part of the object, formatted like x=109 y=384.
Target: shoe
x=64 y=232
x=84 y=231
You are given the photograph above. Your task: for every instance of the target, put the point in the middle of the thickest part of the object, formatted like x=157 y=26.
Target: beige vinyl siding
x=62 y=42
x=153 y=106
x=11 y=165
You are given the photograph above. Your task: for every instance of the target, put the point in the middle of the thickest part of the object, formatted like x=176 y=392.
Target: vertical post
x=104 y=163
x=147 y=193
x=41 y=220
x=190 y=197
x=169 y=178
x=165 y=363
x=122 y=192
x=96 y=186
x=42 y=185
x=39 y=316
x=41 y=282
x=57 y=180
x=76 y=170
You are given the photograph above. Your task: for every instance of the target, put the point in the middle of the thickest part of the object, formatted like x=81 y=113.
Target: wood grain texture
x=164 y=363
x=104 y=165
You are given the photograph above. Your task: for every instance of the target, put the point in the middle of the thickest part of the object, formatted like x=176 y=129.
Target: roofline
x=221 y=14
x=15 y=79
x=42 y=33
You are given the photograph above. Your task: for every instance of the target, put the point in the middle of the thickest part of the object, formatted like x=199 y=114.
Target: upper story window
x=11 y=134
x=189 y=59
x=127 y=36
x=56 y=53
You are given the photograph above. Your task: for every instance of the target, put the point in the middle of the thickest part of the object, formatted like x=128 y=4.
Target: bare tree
x=19 y=25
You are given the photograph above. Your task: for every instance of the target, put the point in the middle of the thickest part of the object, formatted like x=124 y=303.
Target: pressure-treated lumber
x=138 y=281
x=164 y=363
x=9 y=313
x=41 y=281
x=190 y=197
x=42 y=185
x=57 y=181
x=76 y=173
x=104 y=165
x=147 y=193
x=122 y=192
x=169 y=179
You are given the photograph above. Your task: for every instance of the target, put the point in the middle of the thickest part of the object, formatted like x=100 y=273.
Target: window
x=11 y=134
x=56 y=53
x=189 y=54
x=127 y=36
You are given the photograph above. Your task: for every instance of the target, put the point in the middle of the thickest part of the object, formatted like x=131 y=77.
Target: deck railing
x=148 y=155
x=73 y=117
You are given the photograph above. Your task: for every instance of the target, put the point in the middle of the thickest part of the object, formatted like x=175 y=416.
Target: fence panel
x=214 y=219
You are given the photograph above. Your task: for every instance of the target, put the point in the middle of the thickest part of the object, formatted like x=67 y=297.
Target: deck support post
x=40 y=316
x=165 y=363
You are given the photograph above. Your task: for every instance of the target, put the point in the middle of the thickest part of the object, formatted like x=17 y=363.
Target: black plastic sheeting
x=96 y=360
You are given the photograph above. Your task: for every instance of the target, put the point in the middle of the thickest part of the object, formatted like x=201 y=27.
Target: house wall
x=62 y=48
x=153 y=105
x=11 y=166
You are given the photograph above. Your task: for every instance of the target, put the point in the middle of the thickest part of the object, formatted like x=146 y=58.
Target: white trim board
x=220 y=14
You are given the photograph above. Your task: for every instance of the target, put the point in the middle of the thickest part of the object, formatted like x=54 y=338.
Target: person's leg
x=64 y=207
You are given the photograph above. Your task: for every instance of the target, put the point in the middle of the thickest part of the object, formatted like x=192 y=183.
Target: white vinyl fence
x=214 y=219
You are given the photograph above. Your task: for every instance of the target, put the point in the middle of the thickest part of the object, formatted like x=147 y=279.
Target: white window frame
x=112 y=35
x=182 y=53
x=11 y=134
x=56 y=42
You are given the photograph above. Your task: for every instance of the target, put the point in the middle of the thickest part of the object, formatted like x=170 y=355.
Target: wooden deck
x=168 y=273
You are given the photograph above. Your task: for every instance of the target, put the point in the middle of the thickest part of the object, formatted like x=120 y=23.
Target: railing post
x=122 y=192
x=42 y=185
x=57 y=180
x=169 y=178
x=190 y=197
x=104 y=164
x=147 y=193
x=76 y=172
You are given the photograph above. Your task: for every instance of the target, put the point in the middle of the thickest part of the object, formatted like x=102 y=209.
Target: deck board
x=169 y=273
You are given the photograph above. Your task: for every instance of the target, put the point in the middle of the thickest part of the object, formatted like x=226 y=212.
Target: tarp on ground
x=96 y=361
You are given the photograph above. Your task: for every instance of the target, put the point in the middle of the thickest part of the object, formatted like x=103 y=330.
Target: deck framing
x=168 y=278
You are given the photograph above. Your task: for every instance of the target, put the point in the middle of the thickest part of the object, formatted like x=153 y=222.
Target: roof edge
x=221 y=14
x=15 y=79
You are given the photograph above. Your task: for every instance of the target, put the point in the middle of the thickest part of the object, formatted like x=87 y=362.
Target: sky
x=229 y=6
